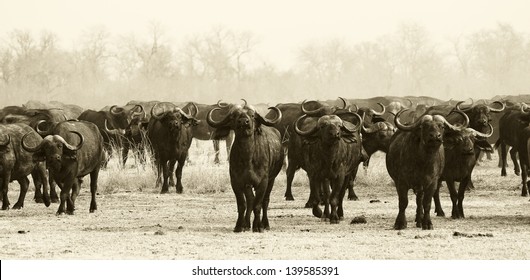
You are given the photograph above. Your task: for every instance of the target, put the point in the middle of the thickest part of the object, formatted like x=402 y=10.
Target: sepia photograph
x=294 y=131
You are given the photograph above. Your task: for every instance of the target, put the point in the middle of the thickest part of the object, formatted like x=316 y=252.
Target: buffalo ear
x=484 y=145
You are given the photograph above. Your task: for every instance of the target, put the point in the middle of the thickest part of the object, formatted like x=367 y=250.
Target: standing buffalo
x=204 y=132
x=460 y=147
x=169 y=132
x=415 y=159
x=112 y=124
x=332 y=152
x=255 y=161
x=512 y=132
x=291 y=144
x=17 y=164
x=68 y=162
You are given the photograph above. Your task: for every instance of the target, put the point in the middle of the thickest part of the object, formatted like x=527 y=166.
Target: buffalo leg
x=258 y=205
x=178 y=173
x=461 y=193
x=24 y=185
x=427 y=200
x=125 y=151
x=165 y=175
x=513 y=155
x=437 y=205
x=37 y=181
x=93 y=189
x=315 y=184
x=249 y=197
x=4 y=187
x=455 y=213
x=524 y=175
x=419 y=207
x=336 y=186
x=291 y=170
x=401 y=220
x=53 y=192
x=216 y=151
x=240 y=199
x=266 y=200
x=503 y=159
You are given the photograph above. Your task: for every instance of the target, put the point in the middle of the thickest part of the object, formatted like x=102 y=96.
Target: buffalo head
x=479 y=114
x=330 y=128
x=243 y=119
x=430 y=128
x=173 y=117
x=53 y=149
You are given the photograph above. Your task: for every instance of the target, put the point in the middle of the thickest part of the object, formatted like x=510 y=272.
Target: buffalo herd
x=426 y=141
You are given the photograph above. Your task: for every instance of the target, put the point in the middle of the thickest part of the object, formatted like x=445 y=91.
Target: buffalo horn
x=304 y=133
x=383 y=110
x=6 y=140
x=503 y=106
x=28 y=148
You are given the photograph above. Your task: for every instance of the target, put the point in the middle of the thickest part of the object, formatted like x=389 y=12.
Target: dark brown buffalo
x=71 y=111
x=460 y=149
x=169 y=132
x=112 y=124
x=73 y=150
x=331 y=150
x=204 y=132
x=415 y=160
x=376 y=137
x=511 y=127
x=17 y=164
x=255 y=161
x=290 y=113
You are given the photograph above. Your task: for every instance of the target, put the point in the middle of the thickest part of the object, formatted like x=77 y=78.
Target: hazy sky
x=281 y=26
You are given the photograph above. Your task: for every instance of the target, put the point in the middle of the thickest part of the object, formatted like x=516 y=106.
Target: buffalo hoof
x=427 y=226
x=503 y=173
x=400 y=225
x=6 y=207
x=39 y=199
x=258 y=229
x=18 y=206
x=164 y=191
x=317 y=212
x=289 y=197
x=69 y=212
x=333 y=221
x=238 y=229
x=440 y=213
x=179 y=191
x=418 y=224
x=59 y=212
x=308 y=205
x=353 y=197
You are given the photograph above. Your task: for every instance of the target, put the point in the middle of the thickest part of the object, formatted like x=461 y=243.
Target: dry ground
x=135 y=222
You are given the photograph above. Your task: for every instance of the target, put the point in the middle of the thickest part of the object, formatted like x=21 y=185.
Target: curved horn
x=272 y=122
x=497 y=110
x=245 y=102
x=7 y=140
x=402 y=126
x=188 y=116
x=219 y=104
x=356 y=126
x=410 y=101
x=454 y=127
x=42 y=132
x=304 y=133
x=356 y=108
x=344 y=102
x=138 y=113
x=457 y=106
x=480 y=134
x=115 y=110
x=312 y=112
x=216 y=124
x=111 y=131
x=28 y=148
x=196 y=110
x=159 y=116
x=383 y=110
x=70 y=146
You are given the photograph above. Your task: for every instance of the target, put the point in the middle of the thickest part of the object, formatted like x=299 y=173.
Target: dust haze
x=96 y=55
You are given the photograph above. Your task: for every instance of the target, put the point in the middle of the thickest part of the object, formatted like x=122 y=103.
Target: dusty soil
x=147 y=225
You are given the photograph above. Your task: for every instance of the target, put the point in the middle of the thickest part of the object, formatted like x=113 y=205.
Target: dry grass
x=134 y=221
